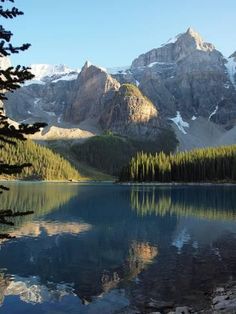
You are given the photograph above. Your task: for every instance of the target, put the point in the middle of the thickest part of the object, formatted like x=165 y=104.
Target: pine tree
x=11 y=79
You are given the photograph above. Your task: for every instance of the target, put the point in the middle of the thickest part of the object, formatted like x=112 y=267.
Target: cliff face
x=128 y=112
x=190 y=76
x=93 y=87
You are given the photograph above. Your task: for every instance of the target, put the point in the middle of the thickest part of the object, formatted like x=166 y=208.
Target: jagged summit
x=94 y=67
x=192 y=32
x=192 y=37
x=86 y=65
x=175 y=49
x=92 y=84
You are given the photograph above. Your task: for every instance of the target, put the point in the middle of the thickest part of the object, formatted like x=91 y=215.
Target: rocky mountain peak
x=90 y=69
x=174 y=50
x=93 y=74
x=193 y=40
x=93 y=85
x=191 y=32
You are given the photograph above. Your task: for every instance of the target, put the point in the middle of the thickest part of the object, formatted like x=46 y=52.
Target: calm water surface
x=98 y=248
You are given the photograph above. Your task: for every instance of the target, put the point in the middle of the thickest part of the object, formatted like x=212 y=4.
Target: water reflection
x=201 y=202
x=88 y=243
x=30 y=290
x=41 y=198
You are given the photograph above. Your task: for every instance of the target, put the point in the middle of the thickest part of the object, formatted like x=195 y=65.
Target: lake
x=97 y=248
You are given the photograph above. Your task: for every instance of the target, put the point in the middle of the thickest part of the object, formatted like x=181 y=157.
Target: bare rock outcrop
x=93 y=87
x=130 y=113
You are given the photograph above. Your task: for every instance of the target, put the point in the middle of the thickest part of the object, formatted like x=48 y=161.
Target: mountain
x=188 y=76
x=93 y=87
x=129 y=112
x=186 y=85
x=45 y=73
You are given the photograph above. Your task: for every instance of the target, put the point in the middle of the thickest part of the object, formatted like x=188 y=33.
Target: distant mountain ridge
x=45 y=73
x=186 y=80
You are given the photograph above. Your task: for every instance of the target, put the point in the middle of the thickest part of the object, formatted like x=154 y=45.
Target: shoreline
x=123 y=183
x=55 y=181
x=177 y=183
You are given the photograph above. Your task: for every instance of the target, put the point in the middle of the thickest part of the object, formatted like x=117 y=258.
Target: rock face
x=189 y=76
x=92 y=88
x=40 y=102
x=128 y=112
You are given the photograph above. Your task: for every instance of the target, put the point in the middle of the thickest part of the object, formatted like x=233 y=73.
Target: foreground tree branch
x=11 y=79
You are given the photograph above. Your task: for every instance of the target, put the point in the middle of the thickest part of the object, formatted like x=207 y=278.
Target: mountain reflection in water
x=119 y=243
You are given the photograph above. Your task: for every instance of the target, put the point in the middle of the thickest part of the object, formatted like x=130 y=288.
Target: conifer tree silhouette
x=11 y=79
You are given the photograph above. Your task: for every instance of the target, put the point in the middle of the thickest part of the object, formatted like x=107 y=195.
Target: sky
x=112 y=33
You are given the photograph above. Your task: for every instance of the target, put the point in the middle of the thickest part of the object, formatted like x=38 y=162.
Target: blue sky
x=112 y=33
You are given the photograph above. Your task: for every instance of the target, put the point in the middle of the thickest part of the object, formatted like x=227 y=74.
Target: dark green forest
x=46 y=165
x=199 y=165
x=110 y=152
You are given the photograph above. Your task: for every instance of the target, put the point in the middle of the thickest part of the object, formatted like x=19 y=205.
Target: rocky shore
x=223 y=300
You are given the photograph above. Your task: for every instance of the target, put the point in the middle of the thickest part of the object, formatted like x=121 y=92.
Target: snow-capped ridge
x=43 y=70
x=44 y=73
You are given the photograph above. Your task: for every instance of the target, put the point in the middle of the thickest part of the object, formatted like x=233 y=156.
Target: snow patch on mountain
x=172 y=40
x=180 y=123
x=30 y=82
x=213 y=113
x=68 y=77
x=231 y=69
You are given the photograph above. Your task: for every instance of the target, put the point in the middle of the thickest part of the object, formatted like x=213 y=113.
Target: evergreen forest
x=45 y=164
x=215 y=164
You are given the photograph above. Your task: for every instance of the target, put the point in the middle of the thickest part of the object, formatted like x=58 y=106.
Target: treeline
x=110 y=152
x=46 y=165
x=199 y=165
